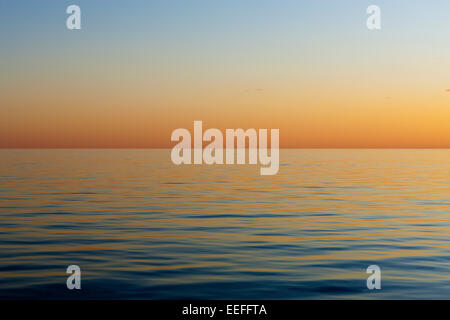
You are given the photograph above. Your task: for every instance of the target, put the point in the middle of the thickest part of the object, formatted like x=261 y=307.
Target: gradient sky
x=139 y=69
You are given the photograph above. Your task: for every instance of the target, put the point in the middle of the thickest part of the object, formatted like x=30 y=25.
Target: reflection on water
x=141 y=227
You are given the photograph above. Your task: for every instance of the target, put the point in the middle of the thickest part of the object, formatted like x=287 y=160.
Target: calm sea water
x=140 y=227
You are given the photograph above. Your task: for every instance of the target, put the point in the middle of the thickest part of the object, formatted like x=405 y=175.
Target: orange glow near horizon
x=304 y=122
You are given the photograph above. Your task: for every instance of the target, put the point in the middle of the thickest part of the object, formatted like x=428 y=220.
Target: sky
x=137 y=70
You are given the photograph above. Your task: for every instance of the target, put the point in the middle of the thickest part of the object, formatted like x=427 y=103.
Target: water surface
x=140 y=227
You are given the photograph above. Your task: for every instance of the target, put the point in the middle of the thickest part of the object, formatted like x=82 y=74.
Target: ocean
x=140 y=227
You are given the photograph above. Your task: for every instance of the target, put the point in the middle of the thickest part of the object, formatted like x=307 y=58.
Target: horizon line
x=169 y=148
